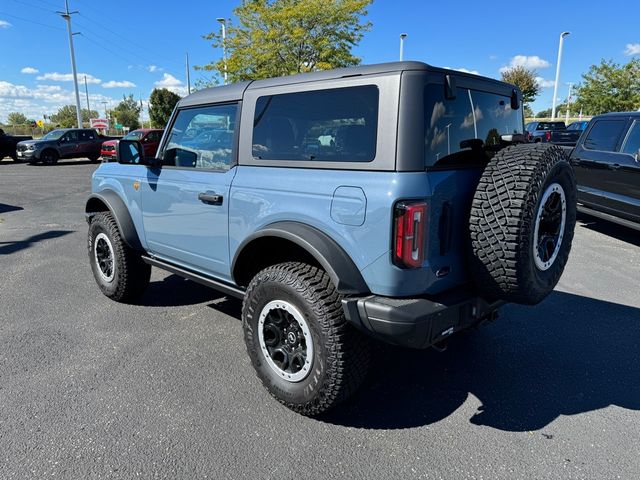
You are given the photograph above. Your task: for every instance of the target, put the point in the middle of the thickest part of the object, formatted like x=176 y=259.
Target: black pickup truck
x=606 y=161
x=62 y=143
x=554 y=132
x=8 y=144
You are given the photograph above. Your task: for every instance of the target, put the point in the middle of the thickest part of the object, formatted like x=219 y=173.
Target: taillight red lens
x=410 y=223
x=548 y=136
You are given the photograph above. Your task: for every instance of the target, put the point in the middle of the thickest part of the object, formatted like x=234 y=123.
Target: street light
x=555 y=87
x=402 y=37
x=223 y=25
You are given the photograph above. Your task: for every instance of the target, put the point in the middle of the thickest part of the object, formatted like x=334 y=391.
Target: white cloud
x=29 y=70
x=170 y=82
x=464 y=70
x=532 y=62
x=68 y=77
x=152 y=68
x=5 y=24
x=632 y=49
x=116 y=84
x=543 y=83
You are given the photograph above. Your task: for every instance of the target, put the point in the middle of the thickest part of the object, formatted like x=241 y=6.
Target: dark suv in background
x=60 y=144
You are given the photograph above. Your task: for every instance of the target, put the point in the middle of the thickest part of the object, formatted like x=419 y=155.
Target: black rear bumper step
x=416 y=322
x=224 y=287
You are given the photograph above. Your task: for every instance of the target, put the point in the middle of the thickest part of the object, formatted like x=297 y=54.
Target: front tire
x=49 y=157
x=118 y=270
x=300 y=344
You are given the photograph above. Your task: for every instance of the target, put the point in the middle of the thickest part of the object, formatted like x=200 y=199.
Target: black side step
x=223 y=287
x=610 y=218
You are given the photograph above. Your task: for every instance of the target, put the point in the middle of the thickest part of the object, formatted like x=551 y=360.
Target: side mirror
x=130 y=152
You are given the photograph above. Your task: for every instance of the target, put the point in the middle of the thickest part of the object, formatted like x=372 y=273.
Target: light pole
x=67 y=16
x=223 y=25
x=86 y=91
x=555 y=86
x=566 y=117
x=402 y=37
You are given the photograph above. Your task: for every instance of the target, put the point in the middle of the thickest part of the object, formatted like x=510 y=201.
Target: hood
x=29 y=142
x=111 y=143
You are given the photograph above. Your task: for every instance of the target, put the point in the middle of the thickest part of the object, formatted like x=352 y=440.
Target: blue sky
x=131 y=47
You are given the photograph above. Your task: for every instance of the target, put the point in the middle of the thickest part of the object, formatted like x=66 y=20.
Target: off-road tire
x=340 y=353
x=49 y=157
x=130 y=274
x=503 y=217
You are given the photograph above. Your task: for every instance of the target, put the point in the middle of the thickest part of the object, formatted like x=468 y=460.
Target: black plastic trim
x=120 y=213
x=219 y=285
x=334 y=260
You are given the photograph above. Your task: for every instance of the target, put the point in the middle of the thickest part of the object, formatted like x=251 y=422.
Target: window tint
x=604 y=135
x=85 y=135
x=336 y=125
x=551 y=126
x=71 y=136
x=466 y=129
x=632 y=143
x=202 y=138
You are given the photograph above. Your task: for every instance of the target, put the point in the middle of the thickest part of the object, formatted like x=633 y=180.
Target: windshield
x=135 y=135
x=54 y=135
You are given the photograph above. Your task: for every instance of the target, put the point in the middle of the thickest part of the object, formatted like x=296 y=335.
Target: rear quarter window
x=337 y=125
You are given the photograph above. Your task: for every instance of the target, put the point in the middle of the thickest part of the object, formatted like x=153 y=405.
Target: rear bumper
x=417 y=322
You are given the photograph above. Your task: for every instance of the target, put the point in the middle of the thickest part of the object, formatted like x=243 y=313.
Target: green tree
x=525 y=80
x=161 y=104
x=127 y=112
x=544 y=113
x=528 y=113
x=65 y=117
x=609 y=87
x=285 y=37
x=16 y=118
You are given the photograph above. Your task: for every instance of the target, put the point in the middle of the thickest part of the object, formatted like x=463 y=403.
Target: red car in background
x=150 y=139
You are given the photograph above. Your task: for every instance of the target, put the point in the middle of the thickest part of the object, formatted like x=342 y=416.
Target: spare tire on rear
x=521 y=224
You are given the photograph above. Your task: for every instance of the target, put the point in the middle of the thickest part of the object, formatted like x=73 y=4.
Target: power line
x=30 y=5
x=31 y=21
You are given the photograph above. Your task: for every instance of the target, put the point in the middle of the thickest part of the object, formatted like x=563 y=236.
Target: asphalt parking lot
x=94 y=389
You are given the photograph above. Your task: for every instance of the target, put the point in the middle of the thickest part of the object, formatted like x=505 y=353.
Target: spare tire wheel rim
x=285 y=340
x=103 y=255
x=549 y=226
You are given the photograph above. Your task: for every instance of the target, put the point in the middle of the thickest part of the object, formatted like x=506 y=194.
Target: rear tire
x=94 y=158
x=522 y=221
x=300 y=344
x=119 y=270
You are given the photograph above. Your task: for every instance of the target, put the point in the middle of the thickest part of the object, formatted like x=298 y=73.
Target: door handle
x=210 y=198
x=615 y=166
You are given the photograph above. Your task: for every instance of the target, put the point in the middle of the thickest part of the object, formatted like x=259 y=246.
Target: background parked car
x=62 y=143
x=607 y=165
x=149 y=137
x=8 y=144
x=552 y=132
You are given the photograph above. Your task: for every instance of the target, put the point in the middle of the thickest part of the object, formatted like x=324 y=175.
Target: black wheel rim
x=285 y=340
x=104 y=257
x=549 y=228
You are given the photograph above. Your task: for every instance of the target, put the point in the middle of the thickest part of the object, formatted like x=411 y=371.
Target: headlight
x=31 y=147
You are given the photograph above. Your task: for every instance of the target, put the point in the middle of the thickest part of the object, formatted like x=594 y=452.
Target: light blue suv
x=390 y=201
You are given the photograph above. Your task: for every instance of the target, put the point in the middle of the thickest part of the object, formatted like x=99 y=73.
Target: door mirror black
x=130 y=152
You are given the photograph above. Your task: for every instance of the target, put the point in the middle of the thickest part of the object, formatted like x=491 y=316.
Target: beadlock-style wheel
x=549 y=227
x=285 y=340
x=104 y=256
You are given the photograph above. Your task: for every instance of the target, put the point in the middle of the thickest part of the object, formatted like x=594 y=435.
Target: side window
x=334 y=125
x=85 y=135
x=632 y=143
x=71 y=136
x=604 y=135
x=494 y=117
x=202 y=138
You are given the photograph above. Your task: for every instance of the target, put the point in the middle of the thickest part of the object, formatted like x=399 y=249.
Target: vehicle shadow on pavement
x=5 y=208
x=566 y=356
x=7 y=248
x=65 y=163
x=176 y=291
x=622 y=233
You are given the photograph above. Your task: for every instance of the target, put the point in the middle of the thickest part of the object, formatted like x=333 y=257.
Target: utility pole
x=86 y=91
x=223 y=24
x=555 y=86
x=67 y=16
x=188 y=75
x=566 y=117
x=402 y=37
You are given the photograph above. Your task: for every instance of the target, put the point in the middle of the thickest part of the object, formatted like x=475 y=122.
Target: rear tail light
x=547 y=136
x=410 y=223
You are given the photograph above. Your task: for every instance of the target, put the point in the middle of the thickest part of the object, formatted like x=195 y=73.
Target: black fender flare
x=120 y=212
x=343 y=272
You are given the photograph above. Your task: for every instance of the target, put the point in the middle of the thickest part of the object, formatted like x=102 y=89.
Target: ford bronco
x=391 y=201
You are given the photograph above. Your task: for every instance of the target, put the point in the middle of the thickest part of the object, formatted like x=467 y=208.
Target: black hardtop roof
x=235 y=91
x=619 y=114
